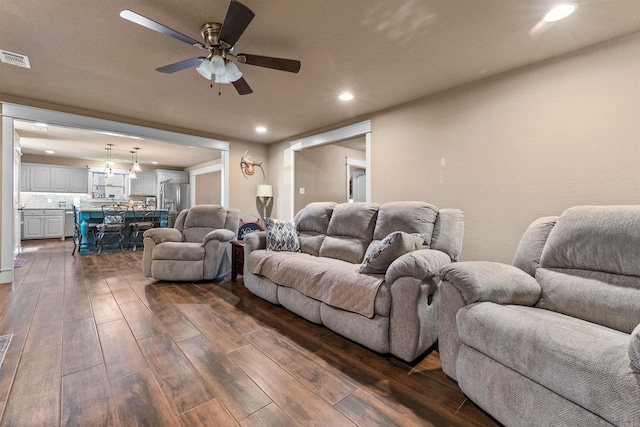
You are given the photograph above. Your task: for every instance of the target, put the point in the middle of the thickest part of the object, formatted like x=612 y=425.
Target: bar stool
x=113 y=224
x=143 y=220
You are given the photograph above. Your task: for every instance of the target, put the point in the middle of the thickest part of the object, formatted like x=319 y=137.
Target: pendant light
x=136 y=166
x=108 y=163
x=132 y=171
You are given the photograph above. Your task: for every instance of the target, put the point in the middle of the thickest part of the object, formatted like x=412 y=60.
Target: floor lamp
x=264 y=201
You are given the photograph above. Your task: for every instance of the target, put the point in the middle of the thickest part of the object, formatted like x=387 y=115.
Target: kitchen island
x=88 y=216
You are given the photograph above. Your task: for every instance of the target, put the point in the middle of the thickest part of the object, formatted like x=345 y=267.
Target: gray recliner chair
x=197 y=248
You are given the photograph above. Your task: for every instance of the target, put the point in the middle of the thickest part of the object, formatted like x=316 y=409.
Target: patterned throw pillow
x=281 y=235
x=634 y=349
x=391 y=247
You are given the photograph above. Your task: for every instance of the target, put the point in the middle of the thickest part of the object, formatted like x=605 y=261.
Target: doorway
x=287 y=202
x=10 y=189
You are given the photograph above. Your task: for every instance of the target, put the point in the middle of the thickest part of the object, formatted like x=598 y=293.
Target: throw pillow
x=634 y=349
x=281 y=235
x=391 y=247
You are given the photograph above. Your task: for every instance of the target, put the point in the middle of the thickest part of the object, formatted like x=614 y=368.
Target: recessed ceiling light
x=560 y=11
x=261 y=129
x=154 y=163
x=346 y=96
x=50 y=152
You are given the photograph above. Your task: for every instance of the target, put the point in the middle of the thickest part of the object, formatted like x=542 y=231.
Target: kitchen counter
x=100 y=210
x=43 y=208
x=88 y=216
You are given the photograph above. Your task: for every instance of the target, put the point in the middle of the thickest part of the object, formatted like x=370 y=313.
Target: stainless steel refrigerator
x=174 y=197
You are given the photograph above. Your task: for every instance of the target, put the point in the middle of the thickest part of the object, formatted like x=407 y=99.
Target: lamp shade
x=264 y=191
x=233 y=73
x=205 y=69
x=217 y=65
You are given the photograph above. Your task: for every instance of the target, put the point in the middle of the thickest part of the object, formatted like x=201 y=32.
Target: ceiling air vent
x=14 y=59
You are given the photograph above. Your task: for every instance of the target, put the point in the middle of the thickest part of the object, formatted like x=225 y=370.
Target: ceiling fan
x=219 y=41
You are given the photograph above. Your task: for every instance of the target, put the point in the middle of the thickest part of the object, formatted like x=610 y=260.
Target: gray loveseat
x=392 y=312
x=197 y=248
x=560 y=349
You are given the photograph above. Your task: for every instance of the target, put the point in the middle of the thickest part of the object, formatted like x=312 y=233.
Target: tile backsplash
x=52 y=200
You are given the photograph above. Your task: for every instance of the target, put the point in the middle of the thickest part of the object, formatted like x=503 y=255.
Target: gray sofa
x=394 y=311
x=197 y=248
x=553 y=340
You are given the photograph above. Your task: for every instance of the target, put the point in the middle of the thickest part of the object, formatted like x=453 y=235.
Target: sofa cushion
x=410 y=217
x=388 y=250
x=350 y=231
x=201 y=219
x=332 y=281
x=581 y=361
x=281 y=235
x=312 y=223
x=596 y=238
x=179 y=251
x=634 y=349
x=608 y=299
x=315 y=217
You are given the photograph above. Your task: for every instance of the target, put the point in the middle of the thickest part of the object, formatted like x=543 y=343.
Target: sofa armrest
x=222 y=235
x=255 y=241
x=160 y=235
x=634 y=349
x=421 y=264
x=491 y=281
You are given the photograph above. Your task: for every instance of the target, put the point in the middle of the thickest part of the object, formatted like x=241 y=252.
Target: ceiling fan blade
x=235 y=22
x=153 y=25
x=242 y=86
x=281 y=64
x=179 y=66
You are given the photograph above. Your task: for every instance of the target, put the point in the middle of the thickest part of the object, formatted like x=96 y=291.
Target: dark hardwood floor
x=97 y=344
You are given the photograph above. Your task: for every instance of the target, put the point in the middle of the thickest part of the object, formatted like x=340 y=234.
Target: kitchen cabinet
x=24 y=177
x=78 y=180
x=144 y=185
x=180 y=177
x=39 y=178
x=69 y=180
x=59 y=180
x=33 y=227
x=42 y=223
x=54 y=179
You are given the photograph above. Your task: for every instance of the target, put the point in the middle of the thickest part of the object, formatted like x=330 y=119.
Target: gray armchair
x=554 y=339
x=197 y=248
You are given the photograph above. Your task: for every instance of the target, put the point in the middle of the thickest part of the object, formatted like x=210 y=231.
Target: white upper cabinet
x=54 y=179
x=145 y=184
x=39 y=178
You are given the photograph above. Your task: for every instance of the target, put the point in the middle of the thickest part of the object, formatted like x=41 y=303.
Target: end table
x=237 y=258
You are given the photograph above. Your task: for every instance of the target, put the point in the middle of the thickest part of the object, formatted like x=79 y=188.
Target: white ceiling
x=386 y=52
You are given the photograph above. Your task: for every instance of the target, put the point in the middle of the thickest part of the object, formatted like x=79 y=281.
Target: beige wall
x=208 y=188
x=322 y=172
x=518 y=146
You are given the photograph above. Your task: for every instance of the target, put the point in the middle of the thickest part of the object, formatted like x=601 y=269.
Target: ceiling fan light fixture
x=205 y=69
x=222 y=78
x=217 y=65
x=232 y=72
